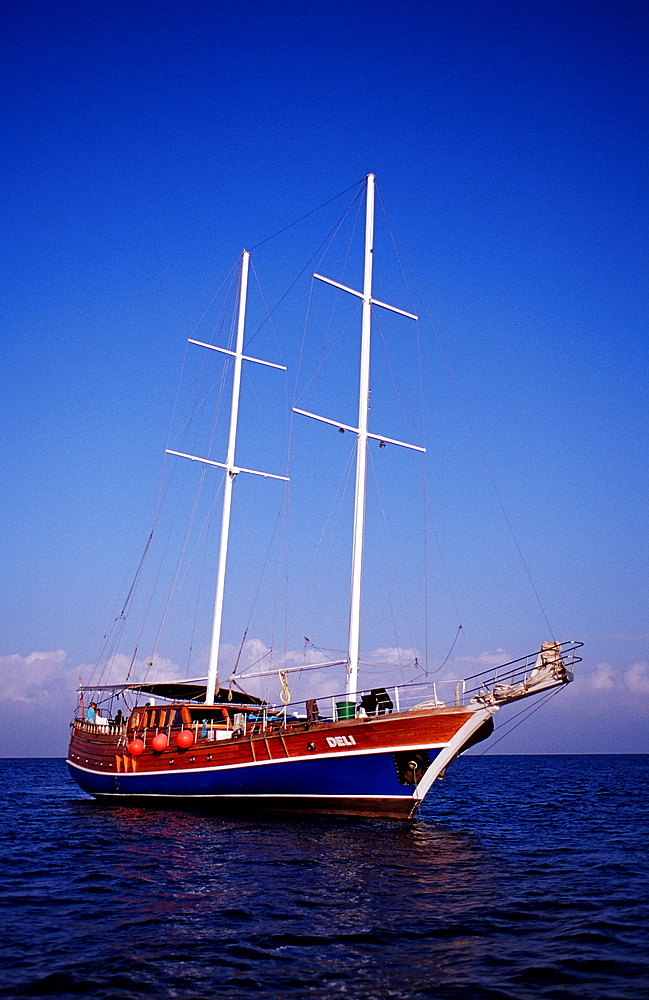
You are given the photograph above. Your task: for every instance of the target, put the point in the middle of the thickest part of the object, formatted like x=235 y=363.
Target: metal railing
x=504 y=682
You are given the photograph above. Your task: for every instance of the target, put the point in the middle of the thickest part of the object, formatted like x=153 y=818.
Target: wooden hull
x=378 y=766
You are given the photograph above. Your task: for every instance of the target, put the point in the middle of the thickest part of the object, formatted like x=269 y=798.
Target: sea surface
x=523 y=877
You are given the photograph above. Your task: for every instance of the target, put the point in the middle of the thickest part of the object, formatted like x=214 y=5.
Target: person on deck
x=91 y=714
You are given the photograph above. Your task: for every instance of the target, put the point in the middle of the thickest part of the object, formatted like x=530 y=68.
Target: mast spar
x=231 y=472
x=353 y=648
x=362 y=432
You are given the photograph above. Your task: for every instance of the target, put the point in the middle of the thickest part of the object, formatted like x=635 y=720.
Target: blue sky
x=146 y=145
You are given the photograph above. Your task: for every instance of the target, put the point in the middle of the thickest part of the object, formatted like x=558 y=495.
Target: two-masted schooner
x=361 y=752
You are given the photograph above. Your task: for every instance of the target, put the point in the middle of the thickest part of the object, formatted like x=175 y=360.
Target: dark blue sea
x=523 y=877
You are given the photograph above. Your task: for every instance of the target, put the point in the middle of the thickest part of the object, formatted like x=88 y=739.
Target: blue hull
x=365 y=777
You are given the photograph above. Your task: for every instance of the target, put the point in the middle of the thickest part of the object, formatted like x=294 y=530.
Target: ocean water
x=523 y=877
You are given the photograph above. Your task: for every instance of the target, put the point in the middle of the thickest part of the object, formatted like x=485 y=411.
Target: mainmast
x=231 y=471
x=362 y=432
x=353 y=647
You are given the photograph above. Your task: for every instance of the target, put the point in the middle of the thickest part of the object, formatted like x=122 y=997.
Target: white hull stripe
x=257 y=763
x=258 y=795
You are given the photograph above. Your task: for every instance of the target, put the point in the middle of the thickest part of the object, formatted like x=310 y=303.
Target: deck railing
x=504 y=682
x=543 y=669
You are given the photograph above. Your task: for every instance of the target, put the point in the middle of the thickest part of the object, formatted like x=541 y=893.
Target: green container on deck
x=345 y=709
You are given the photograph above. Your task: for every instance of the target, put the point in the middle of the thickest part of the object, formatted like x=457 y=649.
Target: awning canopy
x=191 y=690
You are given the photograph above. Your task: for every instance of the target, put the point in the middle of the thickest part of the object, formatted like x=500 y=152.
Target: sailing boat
x=372 y=753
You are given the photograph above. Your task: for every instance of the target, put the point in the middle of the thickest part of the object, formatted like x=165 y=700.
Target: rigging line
x=268 y=312
x=111 y=641
x=420 y=380
x=430 y=520
x=107 y=641
x=162 y=493
x=400 y=394
x=299 y=364
x=199 y=592
x=247 y=562
x=132 y=663
x=243 y=641
x=350 y=241
x=192 y=409
x=330 y=238
x=522 y=716
x=321 y=649
x=282 y=545
x=328 y=241
x=395 y=574
x=117 y=623
x=445 y=661
x=288 y=494
x=477 y=442
x=282 y=572
x=263 y=417
x=325 y=357
x=339 y=293
x=137 y=574
x=335 y=506
x=481 y=451
x=243 y=676
x=401 y=257
x=206 y=384
x=498 y=495
x=180 y=561
x=200 y=545
x=312 y=212
x=277 y=575
x=228 y=277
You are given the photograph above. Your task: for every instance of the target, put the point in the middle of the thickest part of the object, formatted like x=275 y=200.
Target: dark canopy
x=193 y=690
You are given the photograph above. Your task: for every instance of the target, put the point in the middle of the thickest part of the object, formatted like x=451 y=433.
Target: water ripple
x=524 y=878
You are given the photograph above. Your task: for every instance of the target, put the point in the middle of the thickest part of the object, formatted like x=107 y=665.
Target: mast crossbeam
x=352 y=291
x=234 y=470
x=233 y=354
x=355 y=430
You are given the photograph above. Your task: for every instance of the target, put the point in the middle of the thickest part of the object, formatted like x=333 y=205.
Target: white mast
x=353 y=647
x=213 y=668
x=231 y=471
x=363 y=434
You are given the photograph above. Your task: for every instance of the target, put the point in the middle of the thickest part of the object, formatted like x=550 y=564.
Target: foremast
x=231 y=472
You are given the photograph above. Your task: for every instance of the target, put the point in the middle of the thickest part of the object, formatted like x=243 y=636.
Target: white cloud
x=35 y=677
x=604 y=677
x=637 y=678
x=488 y=658
x=394 y=655
x=621 y=681
x=120 y=667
